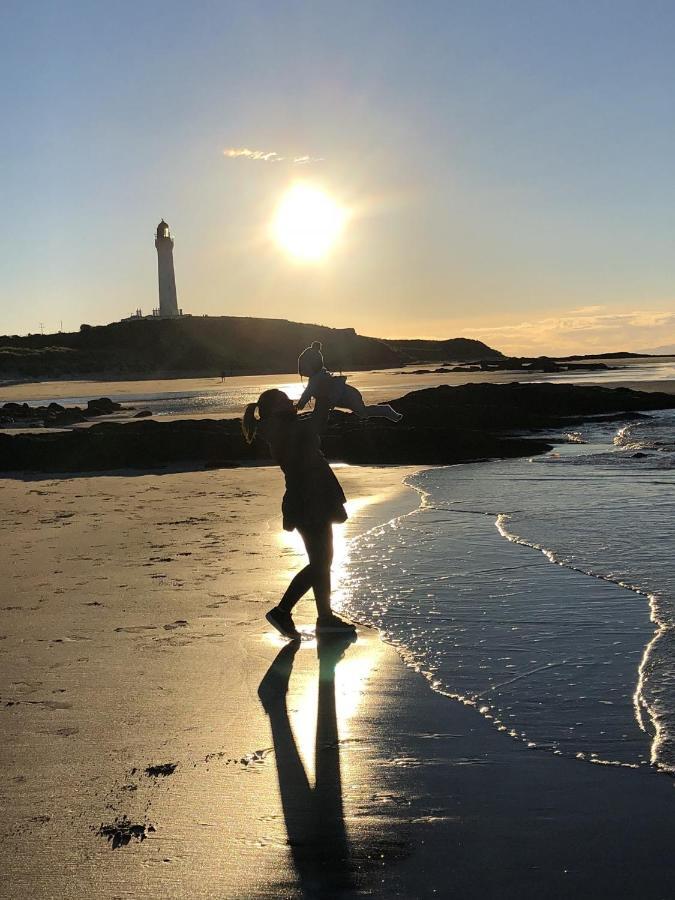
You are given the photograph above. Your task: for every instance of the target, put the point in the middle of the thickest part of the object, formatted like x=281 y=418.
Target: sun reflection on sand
x=351 y=676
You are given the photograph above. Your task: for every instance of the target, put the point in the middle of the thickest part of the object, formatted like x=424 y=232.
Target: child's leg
x=352 y=399
x=383 y=411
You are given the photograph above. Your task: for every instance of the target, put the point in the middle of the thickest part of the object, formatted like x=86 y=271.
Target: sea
x=541 y=591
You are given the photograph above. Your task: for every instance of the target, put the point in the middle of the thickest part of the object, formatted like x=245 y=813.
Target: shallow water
x=542 y=591
x=211 y=396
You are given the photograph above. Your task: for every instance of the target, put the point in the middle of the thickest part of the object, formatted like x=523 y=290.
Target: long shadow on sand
x=313 y=815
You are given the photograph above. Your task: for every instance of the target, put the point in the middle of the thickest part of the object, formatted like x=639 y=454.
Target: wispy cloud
x=586 y=310
x=582 y=330
x=268 y=156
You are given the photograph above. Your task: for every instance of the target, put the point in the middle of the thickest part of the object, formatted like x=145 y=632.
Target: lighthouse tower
x=168 y=303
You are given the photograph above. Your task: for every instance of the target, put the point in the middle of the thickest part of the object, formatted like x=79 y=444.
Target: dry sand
x=132 y=641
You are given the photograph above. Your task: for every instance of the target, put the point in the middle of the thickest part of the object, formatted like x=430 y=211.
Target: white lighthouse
x=168 y=302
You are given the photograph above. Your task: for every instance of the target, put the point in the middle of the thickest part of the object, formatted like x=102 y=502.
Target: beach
x=139 y=760
x=399 y=276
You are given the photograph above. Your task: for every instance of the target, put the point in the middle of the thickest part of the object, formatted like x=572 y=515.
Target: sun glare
x=308 y=222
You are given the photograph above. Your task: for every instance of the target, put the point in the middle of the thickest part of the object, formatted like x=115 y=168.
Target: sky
x=507 y=167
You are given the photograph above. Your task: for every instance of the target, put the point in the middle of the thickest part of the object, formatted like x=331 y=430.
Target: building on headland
x=168 y=299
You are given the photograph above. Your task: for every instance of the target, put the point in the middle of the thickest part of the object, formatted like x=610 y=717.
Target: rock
x=71 y=416
x=102 y=407
x=16 y=410
x=57 y=416
x=143 y=414
x=586 y=367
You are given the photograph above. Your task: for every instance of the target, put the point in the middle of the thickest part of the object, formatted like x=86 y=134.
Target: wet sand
x=139 y=761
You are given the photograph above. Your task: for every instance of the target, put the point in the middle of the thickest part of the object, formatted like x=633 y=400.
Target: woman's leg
x=319 y=545
x=297 y=589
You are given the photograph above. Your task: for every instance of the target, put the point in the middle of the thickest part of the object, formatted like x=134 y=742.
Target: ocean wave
x=646 y=435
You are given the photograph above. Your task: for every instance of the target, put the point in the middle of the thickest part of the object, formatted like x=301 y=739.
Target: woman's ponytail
x=249 y=423
x=270 y=403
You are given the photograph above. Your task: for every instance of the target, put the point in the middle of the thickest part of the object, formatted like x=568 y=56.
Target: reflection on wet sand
x=313 y=816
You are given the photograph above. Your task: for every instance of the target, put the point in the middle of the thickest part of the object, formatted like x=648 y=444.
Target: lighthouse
x=168 y=303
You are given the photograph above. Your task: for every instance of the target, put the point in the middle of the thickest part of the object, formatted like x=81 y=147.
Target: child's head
x=310 y=360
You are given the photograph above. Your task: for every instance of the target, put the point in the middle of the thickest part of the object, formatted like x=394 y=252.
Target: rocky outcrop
x=148 y=444
x=442 y=425
x=54 y=415
x=498 y=407
x=537 y=364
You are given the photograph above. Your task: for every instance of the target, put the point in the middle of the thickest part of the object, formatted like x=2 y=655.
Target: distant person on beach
x=313 y=501
x=333 y=390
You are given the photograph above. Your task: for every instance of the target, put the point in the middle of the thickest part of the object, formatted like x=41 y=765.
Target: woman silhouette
x=313 y=501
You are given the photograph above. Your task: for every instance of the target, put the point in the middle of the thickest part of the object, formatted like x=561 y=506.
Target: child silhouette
x=333 y=390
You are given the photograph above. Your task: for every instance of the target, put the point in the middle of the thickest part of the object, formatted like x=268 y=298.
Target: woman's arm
x=316 y=421
x=305 y=396
x=319 y=417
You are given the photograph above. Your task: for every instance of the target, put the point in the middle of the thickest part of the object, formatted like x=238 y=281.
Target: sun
x=308 y=222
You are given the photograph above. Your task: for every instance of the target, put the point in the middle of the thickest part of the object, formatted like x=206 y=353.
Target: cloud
x=585 y=310
x=267 y=156
x=581 y=331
